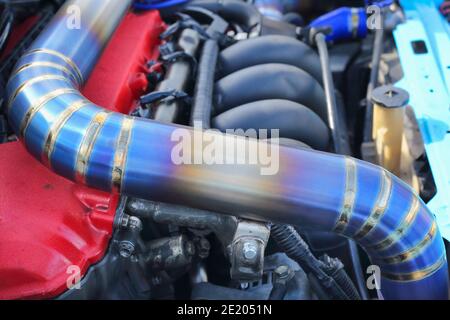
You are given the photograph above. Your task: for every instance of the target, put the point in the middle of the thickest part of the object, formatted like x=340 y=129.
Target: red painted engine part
x=49 y=224
x=119 y=79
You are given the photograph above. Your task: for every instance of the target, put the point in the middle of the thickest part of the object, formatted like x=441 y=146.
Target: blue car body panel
x=427 y=78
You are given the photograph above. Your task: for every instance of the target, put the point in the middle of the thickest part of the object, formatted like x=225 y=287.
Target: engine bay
x=224 y=150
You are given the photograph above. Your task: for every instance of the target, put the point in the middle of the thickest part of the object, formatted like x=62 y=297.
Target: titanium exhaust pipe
x=133 y=156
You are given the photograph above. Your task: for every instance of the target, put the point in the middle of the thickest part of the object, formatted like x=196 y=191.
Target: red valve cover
x=49 y=224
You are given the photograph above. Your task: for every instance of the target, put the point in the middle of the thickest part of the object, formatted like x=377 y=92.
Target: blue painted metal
x=157 y=4
x=427 y=78
x=134 y=156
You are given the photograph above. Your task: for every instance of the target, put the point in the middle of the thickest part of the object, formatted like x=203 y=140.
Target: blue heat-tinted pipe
x=344 y=23
x=115 y=152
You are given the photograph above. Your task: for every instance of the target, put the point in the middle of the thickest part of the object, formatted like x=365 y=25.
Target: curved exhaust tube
x=114 y=152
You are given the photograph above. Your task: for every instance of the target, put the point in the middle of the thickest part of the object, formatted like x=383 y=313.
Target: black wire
x=290 y=241
x=358 y=270
x=6 y=22
x=203 y=96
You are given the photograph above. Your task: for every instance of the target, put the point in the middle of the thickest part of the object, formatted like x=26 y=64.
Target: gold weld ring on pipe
x=416 y=250
x=38 y=105
x=45 y=64
x=349 y=196
x=401 y=230
x=87 y=145
x=56 y=127
x=120 y=156
x=416 y=275
x=30 y=82
x=380 y=208
x=63 y=57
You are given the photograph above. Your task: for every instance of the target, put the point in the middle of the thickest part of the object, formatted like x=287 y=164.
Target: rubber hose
x=270 y=81
x=6 y=23
x=294 y=121
x=240 y=12
x=201 y=108
x=269 y=49
x=317 y=288
x=343 y=280
x=290 y=241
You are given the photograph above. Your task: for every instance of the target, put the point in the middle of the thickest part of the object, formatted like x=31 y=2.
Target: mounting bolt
x=282 y=272
x=250 y=250
x=126 y=248
x=135 y=223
